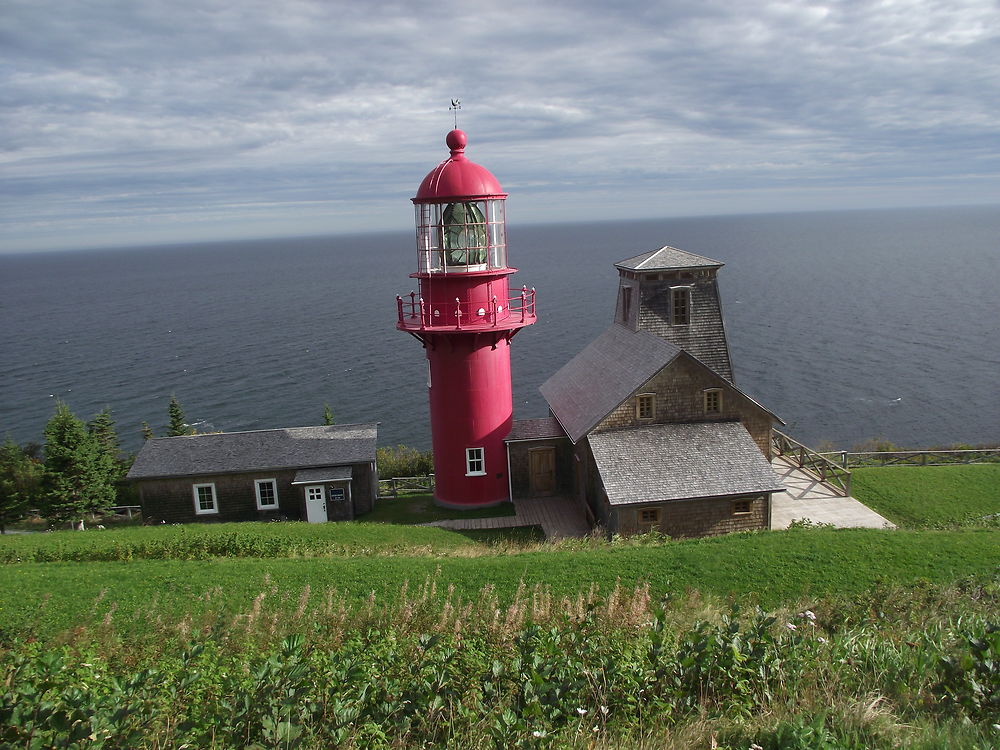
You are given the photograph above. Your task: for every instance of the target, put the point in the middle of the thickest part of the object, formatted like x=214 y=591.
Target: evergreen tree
x=102 y=430
x=147 y=432
x=327 y=414
x=177 y=424
x=75 y=481
x=20 y=483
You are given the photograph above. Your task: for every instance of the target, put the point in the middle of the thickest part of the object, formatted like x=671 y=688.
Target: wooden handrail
x=827 y=471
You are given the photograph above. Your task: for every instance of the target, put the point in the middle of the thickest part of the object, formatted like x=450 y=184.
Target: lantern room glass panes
x=461 y=237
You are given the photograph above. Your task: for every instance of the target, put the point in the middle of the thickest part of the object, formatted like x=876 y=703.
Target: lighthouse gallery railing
x=415 y=312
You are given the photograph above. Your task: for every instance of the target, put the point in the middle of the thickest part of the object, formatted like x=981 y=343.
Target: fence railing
x=417 y=313
x=827 y=471
x=393 y=487
x=855 y=459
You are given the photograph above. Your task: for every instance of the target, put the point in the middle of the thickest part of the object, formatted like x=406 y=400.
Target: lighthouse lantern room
x=465 y=315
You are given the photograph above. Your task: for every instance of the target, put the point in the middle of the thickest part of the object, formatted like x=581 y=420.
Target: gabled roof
x=257 y=451
x=607 y=372
x=681 y=461
x=667 y=258
x=603 y=375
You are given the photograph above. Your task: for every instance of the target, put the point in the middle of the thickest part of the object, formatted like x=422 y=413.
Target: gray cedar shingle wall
x=704 y=336
x=679 y=389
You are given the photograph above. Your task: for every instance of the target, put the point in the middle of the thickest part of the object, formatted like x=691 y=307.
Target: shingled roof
x=603 y=375
x=260 y=450
x=667 y=258
x=535 y=429
x=681 y=461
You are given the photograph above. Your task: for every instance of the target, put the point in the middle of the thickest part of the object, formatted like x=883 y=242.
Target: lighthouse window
x=474 y=463
x=464 y=234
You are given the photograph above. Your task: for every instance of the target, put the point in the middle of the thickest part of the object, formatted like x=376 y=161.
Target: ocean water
x=848 y=325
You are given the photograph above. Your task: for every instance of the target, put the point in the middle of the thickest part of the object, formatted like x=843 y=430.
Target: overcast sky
x=141 y=122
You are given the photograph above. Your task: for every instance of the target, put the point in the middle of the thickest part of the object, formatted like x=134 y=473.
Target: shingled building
x=647 y=427
x=315 y=474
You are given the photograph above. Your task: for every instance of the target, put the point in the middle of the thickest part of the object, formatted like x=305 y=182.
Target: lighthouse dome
x=457 y=177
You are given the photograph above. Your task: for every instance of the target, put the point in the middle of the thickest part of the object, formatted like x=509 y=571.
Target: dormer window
x=680 y=305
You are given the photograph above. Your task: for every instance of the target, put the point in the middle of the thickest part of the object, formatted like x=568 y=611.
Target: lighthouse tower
x=465 y=316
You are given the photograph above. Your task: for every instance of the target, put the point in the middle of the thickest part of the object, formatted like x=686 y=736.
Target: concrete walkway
x=558 y=516
x=807 y=497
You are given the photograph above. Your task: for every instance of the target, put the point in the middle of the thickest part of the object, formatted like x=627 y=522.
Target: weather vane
x=456 y=104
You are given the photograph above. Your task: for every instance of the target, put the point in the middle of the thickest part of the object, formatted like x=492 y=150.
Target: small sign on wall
x=336 y=494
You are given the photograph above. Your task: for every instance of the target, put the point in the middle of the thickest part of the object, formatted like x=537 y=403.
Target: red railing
x=416 y=313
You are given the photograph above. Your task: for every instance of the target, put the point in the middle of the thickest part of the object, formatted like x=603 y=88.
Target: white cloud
x=196 y=117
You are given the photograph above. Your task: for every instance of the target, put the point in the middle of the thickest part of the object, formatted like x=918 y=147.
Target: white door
x=315 y=504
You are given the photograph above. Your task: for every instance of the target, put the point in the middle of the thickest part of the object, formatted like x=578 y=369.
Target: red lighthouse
x=465 y=317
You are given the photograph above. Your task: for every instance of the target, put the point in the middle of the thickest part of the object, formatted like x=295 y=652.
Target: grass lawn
x=772 y=568
x=420 y=508
x=927 y=497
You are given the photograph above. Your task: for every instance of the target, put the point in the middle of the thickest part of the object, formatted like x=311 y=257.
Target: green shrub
x=403 y=462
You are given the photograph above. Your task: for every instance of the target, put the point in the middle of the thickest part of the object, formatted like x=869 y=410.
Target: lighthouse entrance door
x=542 y=471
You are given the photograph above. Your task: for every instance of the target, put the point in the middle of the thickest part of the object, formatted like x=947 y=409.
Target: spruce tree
x=102 y=430
x=147 y=432
x=20 y=483
x=177 y=425
x=75 y=482
x=327 y=414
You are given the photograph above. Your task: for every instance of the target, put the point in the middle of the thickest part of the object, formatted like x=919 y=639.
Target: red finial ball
x=456 y=140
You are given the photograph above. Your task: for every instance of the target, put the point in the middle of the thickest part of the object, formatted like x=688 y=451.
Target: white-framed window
x=680 y=305
x=204 y=499
x=712 y=400
x=267 y=493
x=475 y=464
x=645 y=406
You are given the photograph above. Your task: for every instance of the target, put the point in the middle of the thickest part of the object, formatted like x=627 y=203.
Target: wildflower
x=821 y=639
x=604 y=710
x=538 y=733
x=791 y=626
x=582 y=711
x=755 y=746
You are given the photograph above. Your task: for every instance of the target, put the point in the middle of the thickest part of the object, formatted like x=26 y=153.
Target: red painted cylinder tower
x=465 y=316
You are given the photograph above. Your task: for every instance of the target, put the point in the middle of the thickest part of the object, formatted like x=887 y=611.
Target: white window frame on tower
x=475 y=462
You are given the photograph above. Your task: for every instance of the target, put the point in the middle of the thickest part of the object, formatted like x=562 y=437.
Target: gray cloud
x=147 y=121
